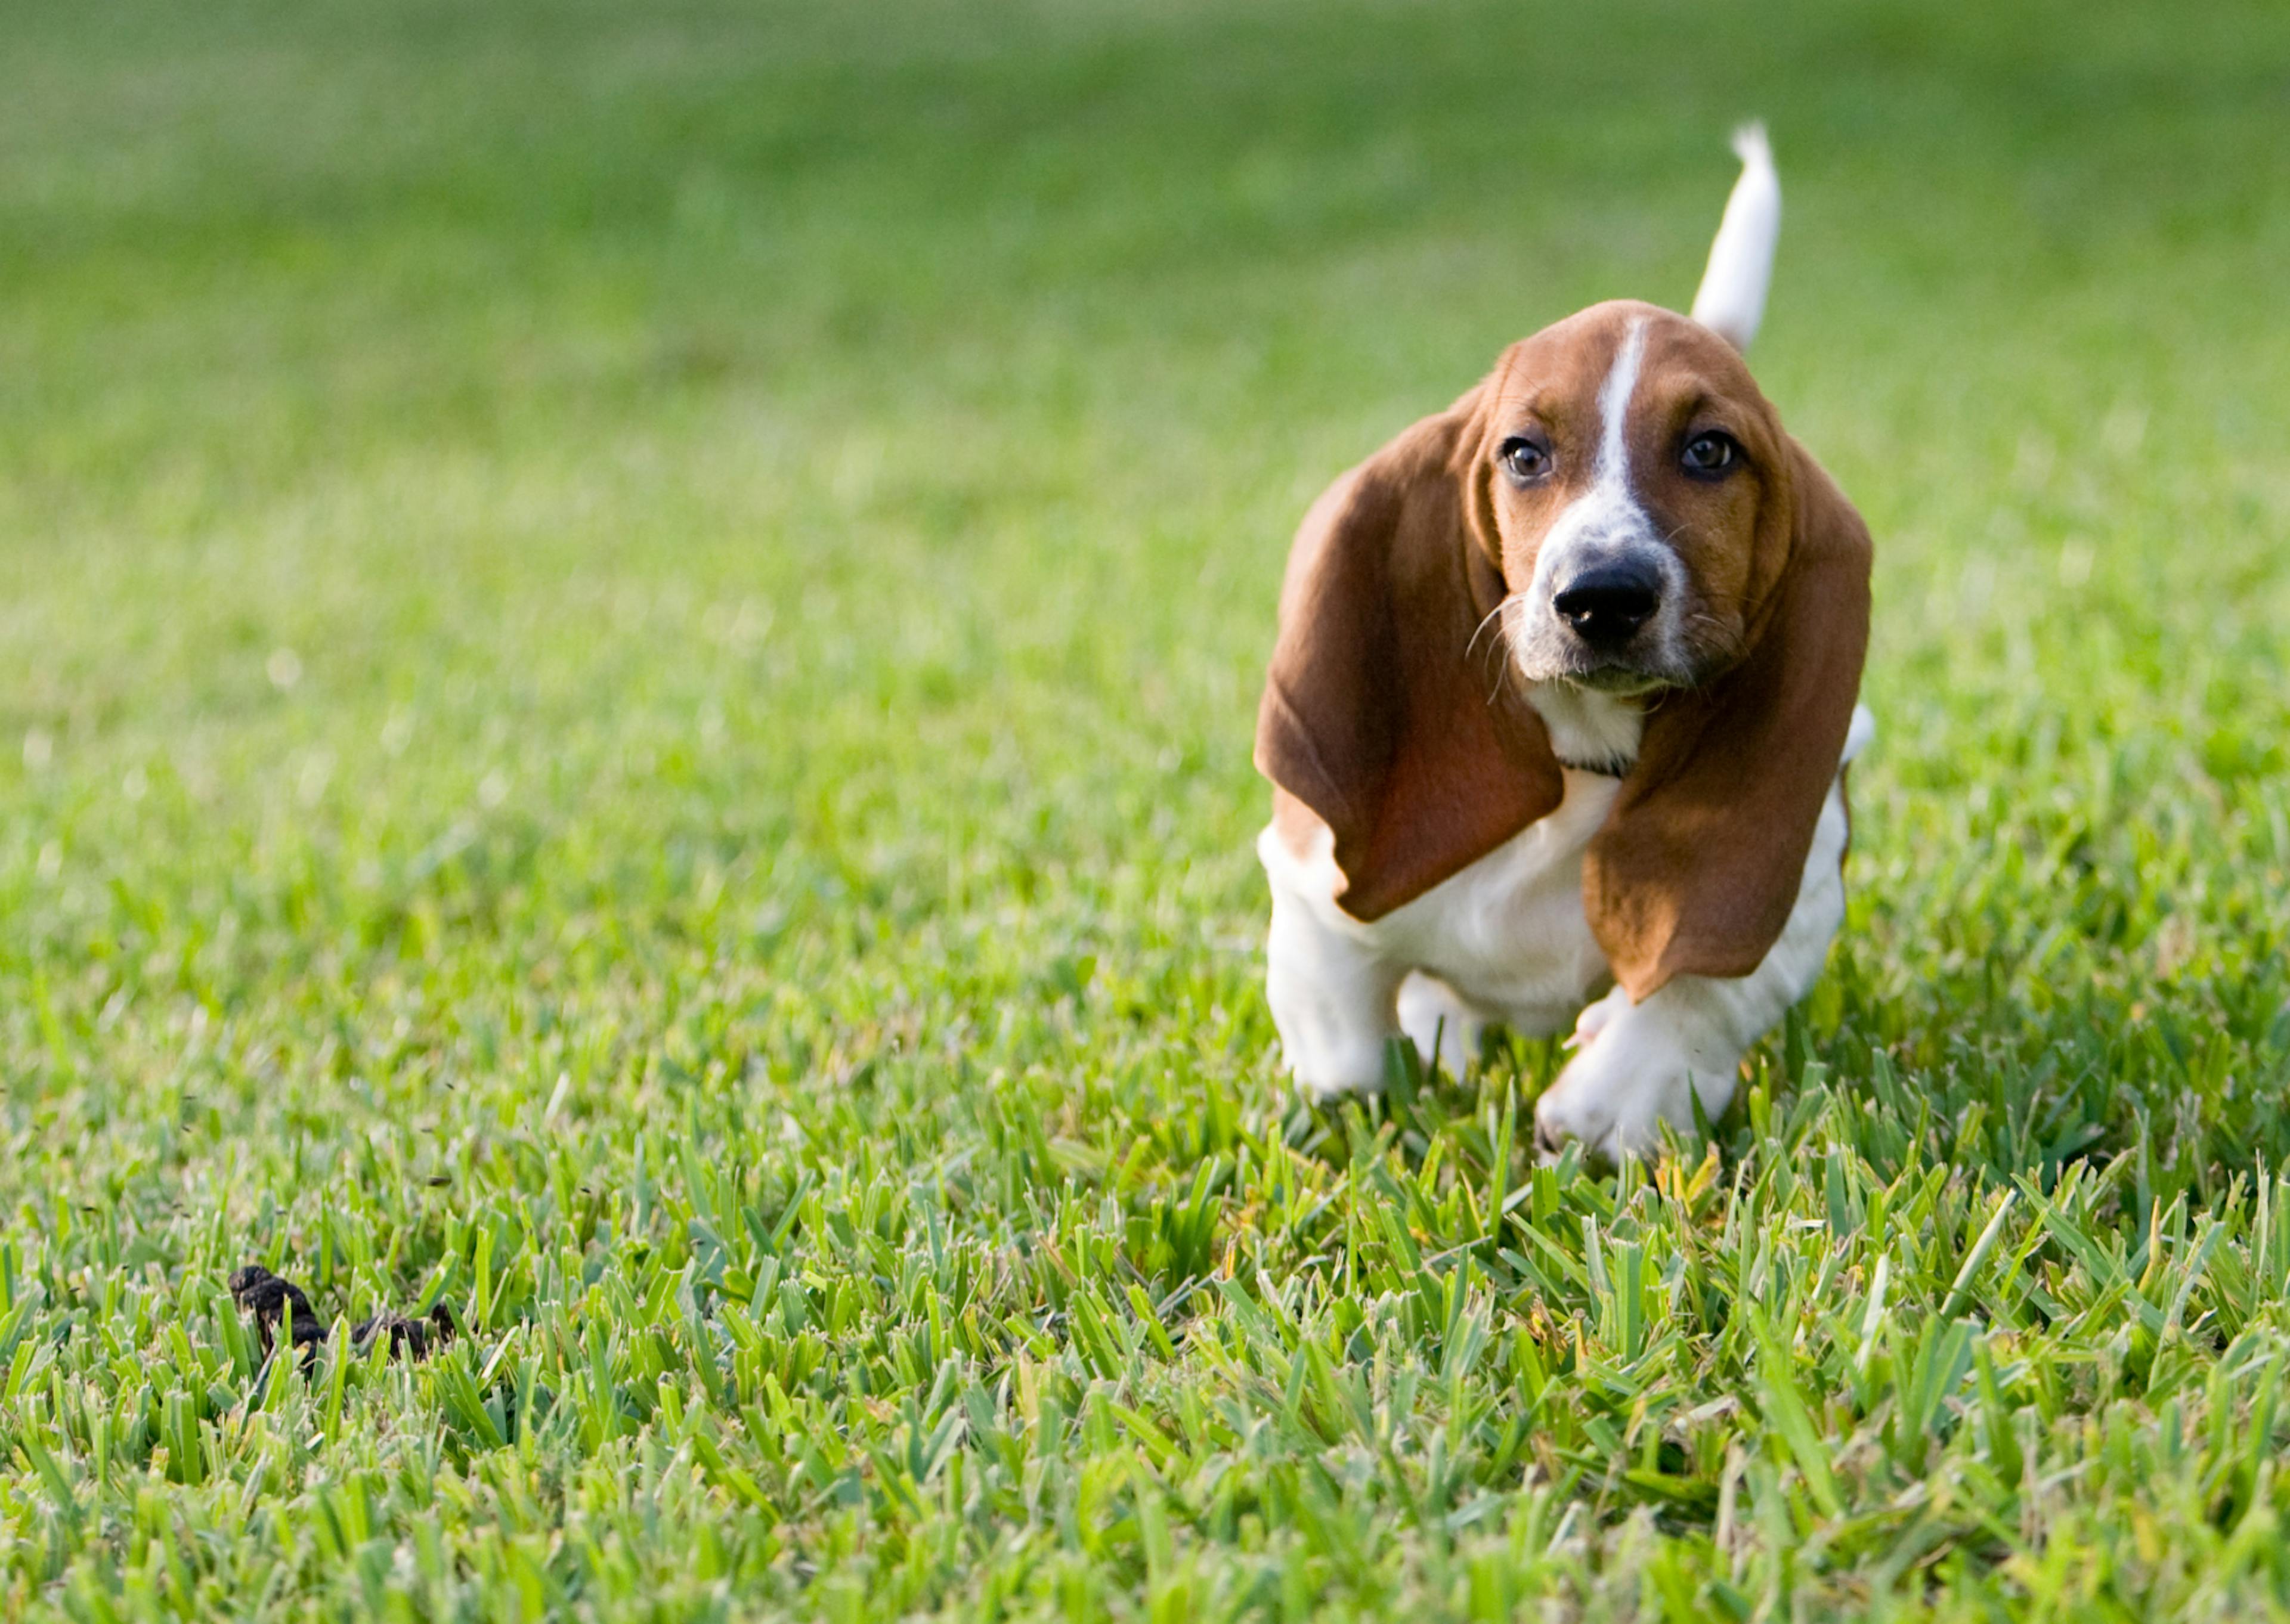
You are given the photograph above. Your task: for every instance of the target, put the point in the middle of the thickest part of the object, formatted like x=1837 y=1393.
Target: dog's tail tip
x=1751 y=145
x=1731 y=301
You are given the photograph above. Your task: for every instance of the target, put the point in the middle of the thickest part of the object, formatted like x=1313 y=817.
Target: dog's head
x=1615 y=507
x=1633 y=488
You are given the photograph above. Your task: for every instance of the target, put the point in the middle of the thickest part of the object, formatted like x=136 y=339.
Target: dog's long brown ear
x=1698 y=864
x=1388 y=710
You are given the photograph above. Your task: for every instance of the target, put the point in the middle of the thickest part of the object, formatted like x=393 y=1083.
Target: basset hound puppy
x=1563 y=689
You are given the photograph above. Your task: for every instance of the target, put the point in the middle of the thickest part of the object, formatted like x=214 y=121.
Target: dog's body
x=1563 y=691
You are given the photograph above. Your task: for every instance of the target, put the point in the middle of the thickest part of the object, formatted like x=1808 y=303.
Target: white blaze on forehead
x=1613 y=463
x=1605 y=514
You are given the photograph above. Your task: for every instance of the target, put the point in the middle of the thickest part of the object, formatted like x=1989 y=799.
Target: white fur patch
x=1613 y=467
x=1597 y=732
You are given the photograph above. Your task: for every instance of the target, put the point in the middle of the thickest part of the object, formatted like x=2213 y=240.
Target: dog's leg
x=1637 y=1066
x=1333 y=998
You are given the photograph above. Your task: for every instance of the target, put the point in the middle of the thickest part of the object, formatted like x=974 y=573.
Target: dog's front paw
x=1596 y=1017
x=1629 y=1075
x=1332 y=1088
x=1328 y=1066
x=1445 y=1030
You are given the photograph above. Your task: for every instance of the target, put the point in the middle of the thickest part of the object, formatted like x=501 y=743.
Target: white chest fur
x=1506 y=934
x=1506 y=937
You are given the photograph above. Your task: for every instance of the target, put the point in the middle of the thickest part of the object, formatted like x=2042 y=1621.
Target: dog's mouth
x=1615 y=676
x=1618 y=676
x=1617 y=681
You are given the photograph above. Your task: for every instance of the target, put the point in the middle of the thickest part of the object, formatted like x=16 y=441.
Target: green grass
x=629 y=639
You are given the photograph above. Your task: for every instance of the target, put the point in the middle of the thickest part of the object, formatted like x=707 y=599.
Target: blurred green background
x=616 y=617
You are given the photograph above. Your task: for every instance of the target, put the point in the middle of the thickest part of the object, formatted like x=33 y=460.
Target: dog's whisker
x=1506 y=637
x=1480 y=630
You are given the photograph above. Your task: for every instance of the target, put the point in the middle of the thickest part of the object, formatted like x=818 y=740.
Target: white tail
x=1732 y=299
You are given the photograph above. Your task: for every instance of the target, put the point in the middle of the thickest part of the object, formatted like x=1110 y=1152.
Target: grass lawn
x=628 y=644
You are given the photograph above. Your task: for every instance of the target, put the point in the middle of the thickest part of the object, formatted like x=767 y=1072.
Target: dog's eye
x=1524 y=460
x=1710 y=454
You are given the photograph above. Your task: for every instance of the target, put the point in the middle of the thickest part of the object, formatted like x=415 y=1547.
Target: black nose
x=1607 y=603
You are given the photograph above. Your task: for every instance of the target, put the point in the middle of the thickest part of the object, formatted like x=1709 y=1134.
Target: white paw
x=1595 y=1018
x=1630 y=1075
x=1326 y=1072
x=1445 y=1029
x=1326 y=1090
